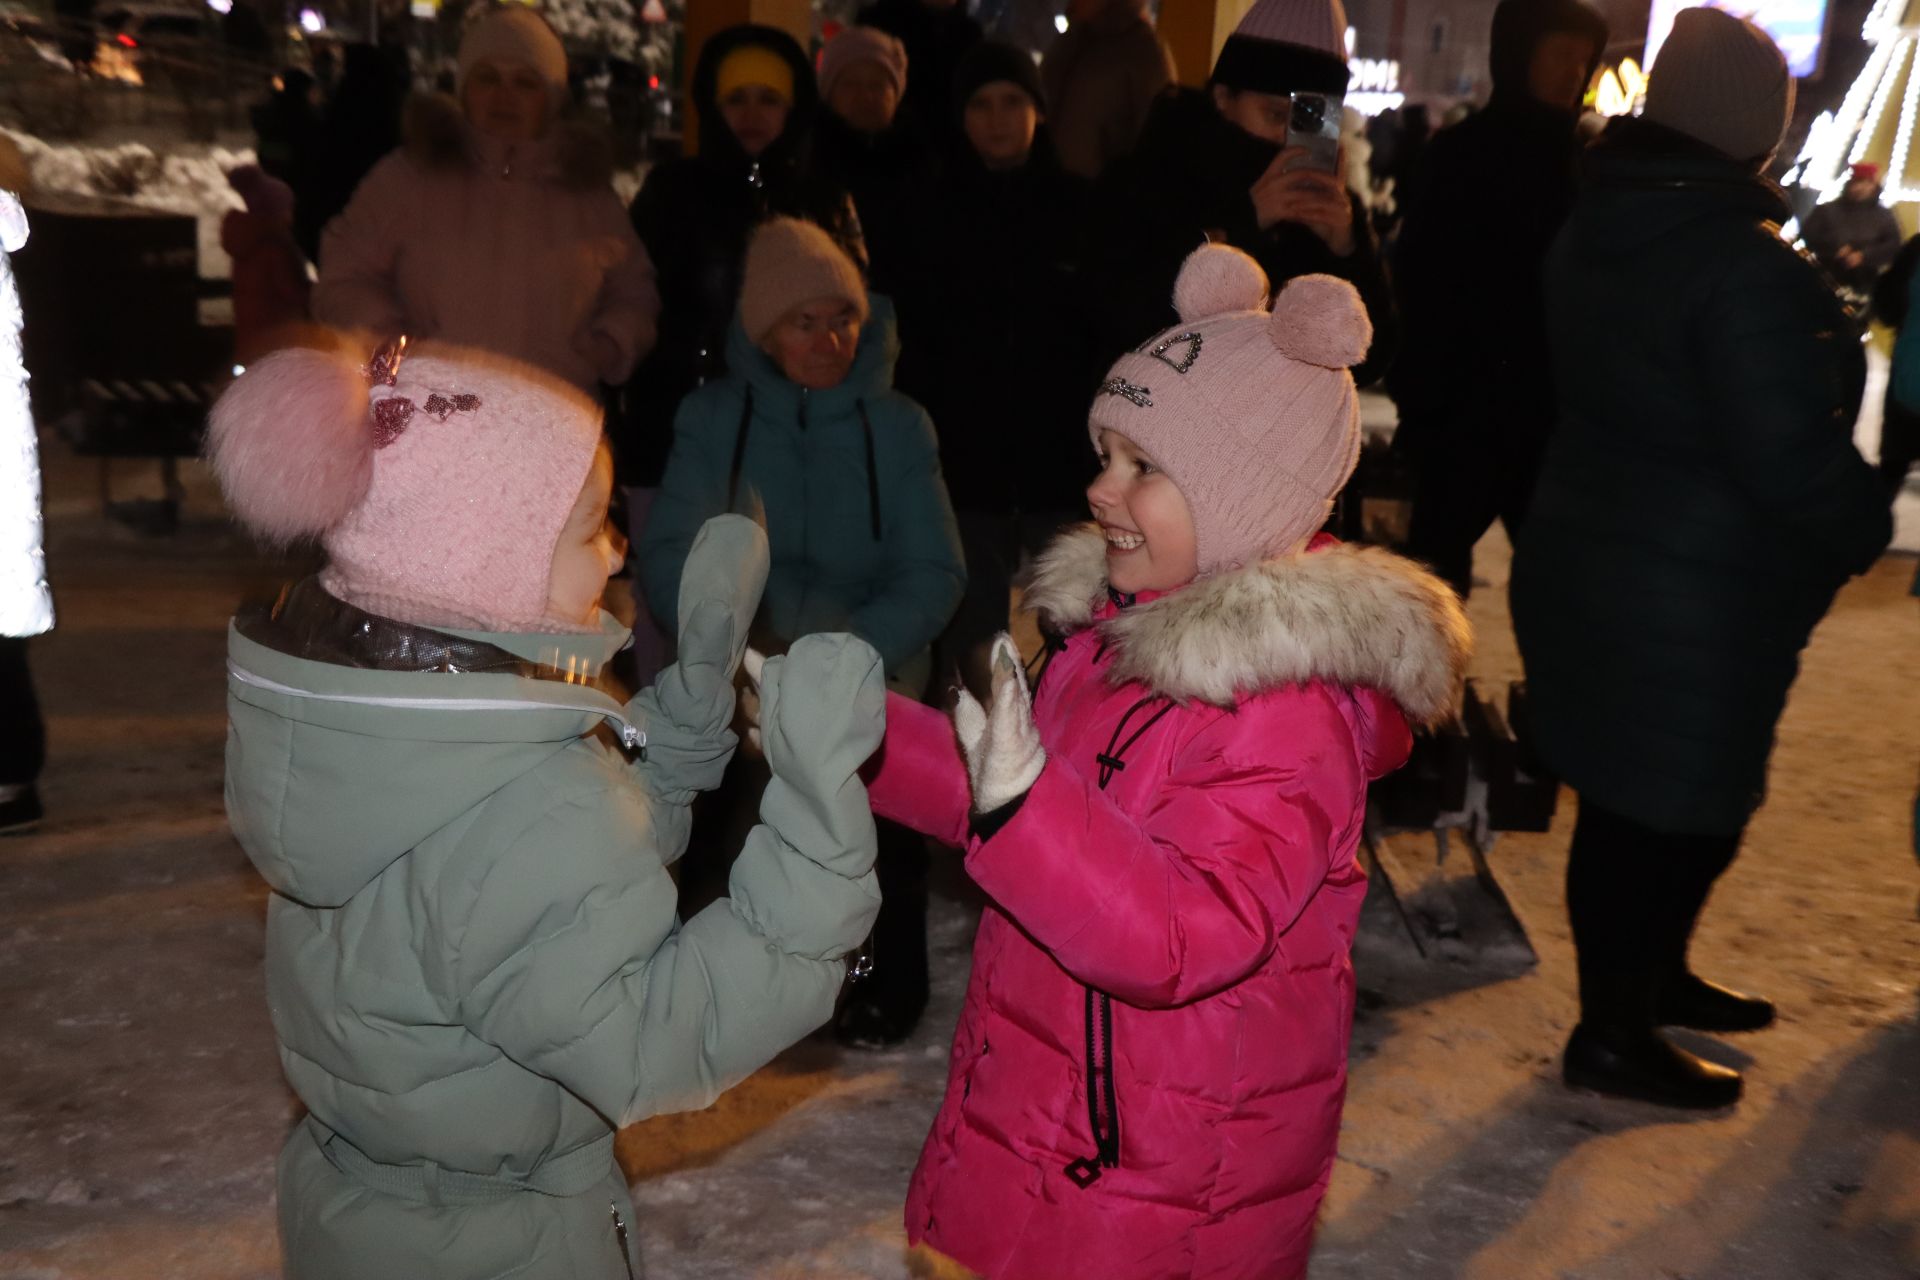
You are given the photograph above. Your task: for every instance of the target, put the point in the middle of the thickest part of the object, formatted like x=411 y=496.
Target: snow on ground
x=141 y=1103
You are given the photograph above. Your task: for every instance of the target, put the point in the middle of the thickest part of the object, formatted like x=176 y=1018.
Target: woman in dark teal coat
x=1701 y=504
x=807 y=429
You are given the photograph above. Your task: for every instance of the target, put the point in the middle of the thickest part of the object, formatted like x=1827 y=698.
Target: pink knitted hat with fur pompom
x=439 y=497
x=1251 y=413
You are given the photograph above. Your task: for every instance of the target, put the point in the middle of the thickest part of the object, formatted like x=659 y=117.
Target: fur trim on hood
x=439 y=140
x=1349 y=615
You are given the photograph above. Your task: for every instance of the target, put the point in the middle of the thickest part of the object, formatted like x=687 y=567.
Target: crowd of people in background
x=1013 y=225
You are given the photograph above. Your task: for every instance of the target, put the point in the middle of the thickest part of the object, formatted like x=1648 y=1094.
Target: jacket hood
x=437 y=137
x=718 y=147
x=1349 y=615
x=870 y=377
x=1518 y=28
x=1643 y=181
x=334 y=772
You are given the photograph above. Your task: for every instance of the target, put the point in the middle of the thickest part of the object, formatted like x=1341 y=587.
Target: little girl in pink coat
x=1148 y=1072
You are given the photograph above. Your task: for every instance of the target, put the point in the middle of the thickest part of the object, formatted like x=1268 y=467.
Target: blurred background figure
x=1854 y=236
x=1101 y=79
x=288 y=134
x=360 y=127
x=865 y=144
x=26 y=604
x=995 y=339
x=270 y=285
x=937 y=34
x=754 y=92
x=496 y=226
x=1474 y=379
x=1900 y=418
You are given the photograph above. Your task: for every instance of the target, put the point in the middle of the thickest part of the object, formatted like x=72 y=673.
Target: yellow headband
x=755 y=64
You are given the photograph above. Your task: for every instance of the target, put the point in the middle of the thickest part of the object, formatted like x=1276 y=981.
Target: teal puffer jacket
x=474 y=959
x=858 y=517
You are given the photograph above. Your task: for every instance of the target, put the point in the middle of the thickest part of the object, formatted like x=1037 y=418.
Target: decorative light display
x=1874 y=123
x=1620 y=90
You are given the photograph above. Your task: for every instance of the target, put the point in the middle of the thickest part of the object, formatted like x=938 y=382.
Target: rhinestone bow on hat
x=392 y=412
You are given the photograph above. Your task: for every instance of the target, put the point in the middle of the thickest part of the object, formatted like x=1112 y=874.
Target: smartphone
x=1315 y=126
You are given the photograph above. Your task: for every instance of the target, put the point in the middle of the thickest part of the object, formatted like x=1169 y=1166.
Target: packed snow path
x=141 y=1103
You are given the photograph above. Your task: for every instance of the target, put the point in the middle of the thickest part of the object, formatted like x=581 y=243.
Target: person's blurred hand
x=1315 y=200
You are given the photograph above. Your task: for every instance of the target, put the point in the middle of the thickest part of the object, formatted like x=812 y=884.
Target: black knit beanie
x=992 y=60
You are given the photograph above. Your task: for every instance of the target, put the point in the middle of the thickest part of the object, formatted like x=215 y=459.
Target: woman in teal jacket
x=848 y=475
x=806 y=428
x=473 y=955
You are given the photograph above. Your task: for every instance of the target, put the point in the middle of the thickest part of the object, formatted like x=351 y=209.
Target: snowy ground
x=141 y=1103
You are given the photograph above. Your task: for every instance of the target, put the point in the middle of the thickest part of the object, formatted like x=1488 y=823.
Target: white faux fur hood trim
x=1351 y=615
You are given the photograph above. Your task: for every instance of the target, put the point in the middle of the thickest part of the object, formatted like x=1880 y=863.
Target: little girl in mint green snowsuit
x=473 y=954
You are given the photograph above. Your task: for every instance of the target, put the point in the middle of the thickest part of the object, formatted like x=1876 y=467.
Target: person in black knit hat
x=995 y=285
x=1223 y=165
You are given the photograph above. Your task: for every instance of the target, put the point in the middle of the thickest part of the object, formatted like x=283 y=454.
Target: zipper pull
x=633 y=738
x=620 y=1234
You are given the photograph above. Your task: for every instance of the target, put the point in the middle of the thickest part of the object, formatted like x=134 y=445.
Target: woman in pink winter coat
x=496 y=225
x=1148 y=1073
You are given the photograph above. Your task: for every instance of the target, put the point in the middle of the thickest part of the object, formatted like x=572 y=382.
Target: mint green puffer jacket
x=474 y=960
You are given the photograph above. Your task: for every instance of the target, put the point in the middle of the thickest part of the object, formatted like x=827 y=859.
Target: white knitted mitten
x=1001 y=740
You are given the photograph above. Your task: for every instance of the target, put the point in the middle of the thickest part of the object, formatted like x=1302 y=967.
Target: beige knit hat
x=1723 y=81
x=789 y=264
x=1252 y=414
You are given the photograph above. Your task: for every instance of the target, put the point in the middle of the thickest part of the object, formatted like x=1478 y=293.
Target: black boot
x=1688 y=1001
x=883 y=1008
x=1632 y=1063
x=20 y=810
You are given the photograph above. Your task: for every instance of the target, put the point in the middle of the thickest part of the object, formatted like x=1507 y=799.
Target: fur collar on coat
x=438 y=139
x=1350 y=615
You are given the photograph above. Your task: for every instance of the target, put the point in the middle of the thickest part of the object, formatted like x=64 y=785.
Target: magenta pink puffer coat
x=1172 y=908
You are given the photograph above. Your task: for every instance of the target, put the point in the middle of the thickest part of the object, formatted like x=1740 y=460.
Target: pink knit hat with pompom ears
x=1251 y=412
x=439 y=497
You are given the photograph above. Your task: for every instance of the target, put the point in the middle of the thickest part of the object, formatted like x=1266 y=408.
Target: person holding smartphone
x=1252 y=161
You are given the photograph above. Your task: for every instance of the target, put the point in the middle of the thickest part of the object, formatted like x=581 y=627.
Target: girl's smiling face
x=1151 y=545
